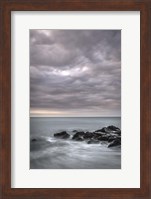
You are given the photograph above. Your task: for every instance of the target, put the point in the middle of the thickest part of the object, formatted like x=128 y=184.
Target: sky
x=75 y=73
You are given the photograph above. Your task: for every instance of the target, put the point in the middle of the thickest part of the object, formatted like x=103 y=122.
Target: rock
x=34 y=140
x=103 y=129
x=109 y=129
x=39 y=143
x=92 y=141
x=113 y=128
x=79 y=139
x=79 y=134
x=88 y=135
x=98 y=135
x=119 y=137
x=99 y=130
x=63 y=135
x=115 y=142
x=111 y=138
x=103 y=138
x=118 y=132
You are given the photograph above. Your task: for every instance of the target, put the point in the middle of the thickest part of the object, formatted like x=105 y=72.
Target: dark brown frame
x=6 y=6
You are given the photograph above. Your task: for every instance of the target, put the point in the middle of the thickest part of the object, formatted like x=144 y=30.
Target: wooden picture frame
x=6 y=6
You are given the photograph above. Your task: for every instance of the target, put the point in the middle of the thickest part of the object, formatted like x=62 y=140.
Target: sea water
x=48 y=152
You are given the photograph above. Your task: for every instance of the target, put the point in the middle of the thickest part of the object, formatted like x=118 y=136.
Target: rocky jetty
x=111 y=135
x=63 y=135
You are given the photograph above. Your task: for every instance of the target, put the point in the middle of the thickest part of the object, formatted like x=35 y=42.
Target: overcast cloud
x=75 y=72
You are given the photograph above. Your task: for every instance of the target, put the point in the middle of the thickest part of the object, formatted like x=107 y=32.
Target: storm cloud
x=75 y=72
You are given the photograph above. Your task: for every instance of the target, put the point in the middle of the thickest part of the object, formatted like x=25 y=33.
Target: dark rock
x=79 y=134
x=113 y=128
x=103 y=129
x=119 y=137
x=99 y=130
x=109 y=129
x=39 y=143
x=88 y=135
x=63 y=135
x=79 y=139
x=103 y=138
x=115 y=142
x=34 y=140
x=92 y=141
x=111 y=138
x=98 y=135
x=118 y=132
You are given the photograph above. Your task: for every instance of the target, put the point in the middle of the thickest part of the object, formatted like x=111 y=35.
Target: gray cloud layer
x=75 y=72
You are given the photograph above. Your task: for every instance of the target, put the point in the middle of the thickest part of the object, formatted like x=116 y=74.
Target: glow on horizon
x=48 y=113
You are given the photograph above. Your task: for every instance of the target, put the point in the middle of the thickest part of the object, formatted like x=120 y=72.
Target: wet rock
x=97 y=137
x=104 y=138
x=79 y=134
x=104 y=129
x=79 y=139
x=115 y=142
x=109 y=129
x=111 y=138
x=119 y=137
x=98 y=134
x=101 y=130
x=40 y=143
x=88 y=135
x=63 y=135
x=113 y=128
x=33 y=140
x=118 y=132
x=92 y=141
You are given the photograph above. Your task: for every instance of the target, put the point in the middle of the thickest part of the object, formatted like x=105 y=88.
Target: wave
x=52 y=153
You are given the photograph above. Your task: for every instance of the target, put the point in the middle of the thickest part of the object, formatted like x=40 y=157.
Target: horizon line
x=70 y=116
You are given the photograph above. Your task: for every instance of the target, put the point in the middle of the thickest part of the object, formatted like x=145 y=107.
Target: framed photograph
x=75 y=119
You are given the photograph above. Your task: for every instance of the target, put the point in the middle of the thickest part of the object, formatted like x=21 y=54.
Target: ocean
x=48 y=152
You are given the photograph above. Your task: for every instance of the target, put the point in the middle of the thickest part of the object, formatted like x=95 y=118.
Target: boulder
x=96 y=136
x=109 y=129
x=99 y=130
x=103 y=129
x=111 y=138
x=118 y=132
x=113 y=128
x=92 y=141
x=33 y=140
x=103 y=138
x=99 y=133
x=63 y=135
x=115 y=142
x=78 y=135
x=88 y=135
x=39 y=143
x=79 y=139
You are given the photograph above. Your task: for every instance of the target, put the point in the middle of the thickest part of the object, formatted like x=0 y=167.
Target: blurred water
x=51 y=153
